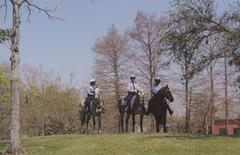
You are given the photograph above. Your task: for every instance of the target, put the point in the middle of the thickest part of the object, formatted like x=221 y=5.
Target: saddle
x=126 y=101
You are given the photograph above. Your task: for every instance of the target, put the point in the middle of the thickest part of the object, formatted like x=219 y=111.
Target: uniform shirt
x=133 y=87
x=91 y=90
x=155 y=89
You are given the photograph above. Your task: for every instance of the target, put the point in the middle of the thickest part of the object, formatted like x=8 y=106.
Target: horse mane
x=160 y=92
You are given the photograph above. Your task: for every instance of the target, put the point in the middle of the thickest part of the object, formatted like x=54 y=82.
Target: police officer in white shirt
x=155 y=89
x=91 y=88
x=132 y=88
x=90 y=93
x=157 y=86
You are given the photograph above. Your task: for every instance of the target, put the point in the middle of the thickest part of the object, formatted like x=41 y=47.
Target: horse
x=158 y=106
x=96 y=109
x=135 y=107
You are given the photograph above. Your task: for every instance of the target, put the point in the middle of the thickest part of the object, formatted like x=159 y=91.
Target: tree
x=147 y=35
x=15 y=147
x=184 y=40
x=111 y=59
x=206 y=22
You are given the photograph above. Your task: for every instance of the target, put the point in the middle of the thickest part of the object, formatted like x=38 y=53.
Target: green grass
x=130 y=144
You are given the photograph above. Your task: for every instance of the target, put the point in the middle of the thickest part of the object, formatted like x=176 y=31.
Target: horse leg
x=121 y=122
x=133 y=122
x=94 y=122
x=87 y=121
x=141 y=122
x=126 y=122
x=157 y=123
x=164 y=121
x=83 y=120
x=99 y=124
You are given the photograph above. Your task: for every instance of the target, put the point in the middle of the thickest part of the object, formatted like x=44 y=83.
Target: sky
x=65 y=46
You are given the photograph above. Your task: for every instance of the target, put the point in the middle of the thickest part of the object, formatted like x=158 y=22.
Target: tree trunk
x=117 y=91
x=211 y=100
x=15 y=147
x=151 y=79
x=187 y=119
x=226 y=90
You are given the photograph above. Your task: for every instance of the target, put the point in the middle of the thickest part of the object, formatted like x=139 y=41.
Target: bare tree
x=16 y=5
x=148 y=34
x=111 y=59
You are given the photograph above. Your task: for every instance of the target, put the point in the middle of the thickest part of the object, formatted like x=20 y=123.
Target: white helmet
x=132 y=76
x=92 y=80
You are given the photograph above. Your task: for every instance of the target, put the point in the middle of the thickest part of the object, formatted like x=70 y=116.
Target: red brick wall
x=221 y=124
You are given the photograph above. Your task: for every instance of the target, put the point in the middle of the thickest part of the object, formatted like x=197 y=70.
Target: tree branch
x=31 y=5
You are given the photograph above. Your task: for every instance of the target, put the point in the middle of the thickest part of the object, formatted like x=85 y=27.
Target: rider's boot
x=170 y=110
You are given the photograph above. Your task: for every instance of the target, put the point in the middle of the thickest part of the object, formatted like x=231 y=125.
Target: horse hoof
x=100 y=131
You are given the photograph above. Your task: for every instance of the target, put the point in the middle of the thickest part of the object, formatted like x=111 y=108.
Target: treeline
x=48 y=105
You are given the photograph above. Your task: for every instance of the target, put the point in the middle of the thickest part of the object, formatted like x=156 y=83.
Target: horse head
x=97 y=93
x=167 y=93
x=140 y=95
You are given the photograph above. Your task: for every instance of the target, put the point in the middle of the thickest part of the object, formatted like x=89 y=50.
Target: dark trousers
x=88 y=100
x=129 y=97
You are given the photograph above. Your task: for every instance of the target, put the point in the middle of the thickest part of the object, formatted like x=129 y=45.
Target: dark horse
x=96 y=109
x=135 y=107
x=158 y=106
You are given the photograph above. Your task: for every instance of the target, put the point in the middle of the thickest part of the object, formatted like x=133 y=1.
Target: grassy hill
x=130 y=144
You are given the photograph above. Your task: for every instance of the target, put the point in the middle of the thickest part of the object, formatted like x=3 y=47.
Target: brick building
x=219 y=127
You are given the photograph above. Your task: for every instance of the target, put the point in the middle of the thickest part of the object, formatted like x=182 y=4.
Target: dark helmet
x=157 y=79
x=132 y=77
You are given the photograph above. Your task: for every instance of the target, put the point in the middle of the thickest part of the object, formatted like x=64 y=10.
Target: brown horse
x=158 y=106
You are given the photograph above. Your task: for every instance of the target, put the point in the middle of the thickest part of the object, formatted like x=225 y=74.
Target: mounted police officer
x=132 y=89
x=90 y=93
x=155 y=89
